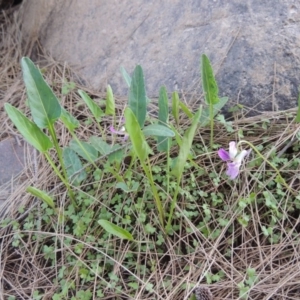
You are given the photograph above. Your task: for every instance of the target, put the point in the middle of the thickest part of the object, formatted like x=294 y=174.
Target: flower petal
x=239 y=158
x=232 y=150
x=223 y=154
x=114 y=131
x=233 y=170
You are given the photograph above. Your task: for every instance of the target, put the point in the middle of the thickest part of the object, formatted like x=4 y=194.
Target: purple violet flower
x=233 y=158
x=121 y=131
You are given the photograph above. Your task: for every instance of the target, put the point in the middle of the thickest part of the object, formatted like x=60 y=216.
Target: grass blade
x=44 y=106
x=29 y=130
x=137 y=100
x=115 y=230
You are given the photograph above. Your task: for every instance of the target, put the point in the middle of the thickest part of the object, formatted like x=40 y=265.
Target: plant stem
x=66 y=183
x=58 y=150
x=173 y=203
x=64 y=178
x=147 y=170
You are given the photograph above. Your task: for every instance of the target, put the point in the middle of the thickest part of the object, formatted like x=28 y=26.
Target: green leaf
x=44 y=106
x=140 y=146
x=177 y=135
x=126 y=76
x=93 y=107
x=163 y=117
x=133 y=285
x=186 y=110
x=186 y=146
x=30 y=131
x=117 y=154
x=137 y=96
x=41 y=195
x=123 y=186
x=85 y=150
x=99 y=144
x=204 y=119
x=115 y=230
x=209 y=83
x=114 y=152
x=110 y=102
x=69 y=121
x=297 y=120
x=175 y=107
x=73 y=166
x=163 y=106
x=158 y=130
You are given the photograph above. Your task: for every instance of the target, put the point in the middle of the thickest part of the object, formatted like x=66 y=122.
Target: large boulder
x=254 y=45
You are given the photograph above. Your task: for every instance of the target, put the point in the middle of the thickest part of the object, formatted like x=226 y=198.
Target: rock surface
x=254 y=45
x=13 y=159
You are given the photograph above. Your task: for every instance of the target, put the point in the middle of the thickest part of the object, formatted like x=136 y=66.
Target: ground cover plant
x=145 y=199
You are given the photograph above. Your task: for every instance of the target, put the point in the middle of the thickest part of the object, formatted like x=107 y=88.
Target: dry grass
x=24 y=269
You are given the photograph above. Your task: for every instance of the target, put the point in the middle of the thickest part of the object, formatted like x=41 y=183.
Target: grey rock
x=13 y=161
x=254 y=45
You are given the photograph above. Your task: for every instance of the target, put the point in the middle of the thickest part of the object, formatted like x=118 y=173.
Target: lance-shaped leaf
x=116 y=230
x=85 y=150
x=114 y=152
x=75 y=171
x=41 y=195
x=93 y=107
x=99 y=144
x=137 y=100
x=163 y=117
x=29 y=130
x=110 y=102
x=158 y=130
x=297 y=120
x=209 y=83
x=44 y=106
x=175 y=107
x=140 y=146
x=186 y=110
x=126 y=76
